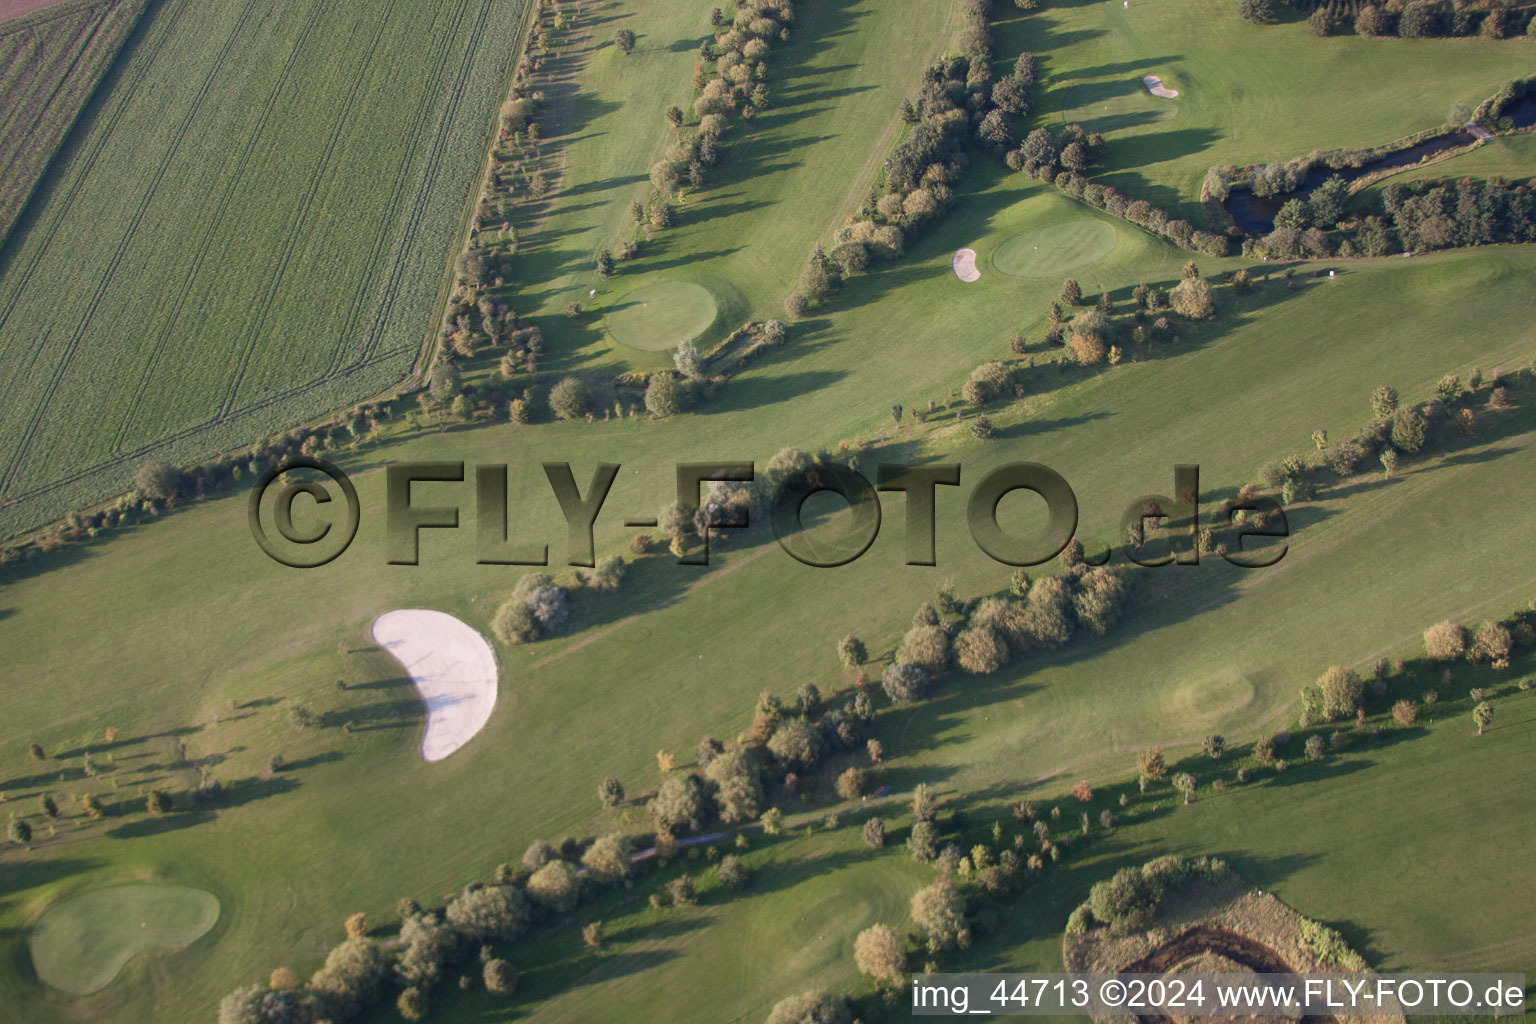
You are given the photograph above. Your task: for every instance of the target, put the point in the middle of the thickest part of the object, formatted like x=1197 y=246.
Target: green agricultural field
x=50 y=63
x=174 y=650
x=250 y=229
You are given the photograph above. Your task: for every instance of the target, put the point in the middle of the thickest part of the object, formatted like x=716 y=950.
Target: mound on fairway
x=1054 y=250
x=453 y=668
x=662 y=316
x=1156 y=87
x=964 y=265
x=81 y=944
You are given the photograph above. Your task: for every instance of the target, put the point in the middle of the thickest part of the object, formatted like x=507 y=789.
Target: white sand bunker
x=1156 y=87
x=965 y=265
x=453 y=668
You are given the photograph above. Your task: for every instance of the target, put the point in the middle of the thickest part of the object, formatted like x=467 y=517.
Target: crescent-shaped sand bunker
x=80 y=944
x=454 y=670
x=1156 y=87
x=964 y=265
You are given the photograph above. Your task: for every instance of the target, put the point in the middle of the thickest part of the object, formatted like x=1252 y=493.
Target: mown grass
x=1247 y=93
x=160 y=629
x=247 y=231
x=50 y=63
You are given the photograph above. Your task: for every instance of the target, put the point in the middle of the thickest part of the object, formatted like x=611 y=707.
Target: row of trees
x=983 y=636
x=1393 y=431
x=731 y=76
x=960 y=102
x=1141 y=213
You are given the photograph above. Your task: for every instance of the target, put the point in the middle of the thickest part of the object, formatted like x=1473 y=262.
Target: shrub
x=732 y=873
x=680 y=801
x=1151 y=766
x=878 y=953
x=794 y=744
x=873 y=833
x=514 y=623
x=607 y=859
x=538 y=854
x=1341 y=689
x=1408 y=430
x=809 y=1008
x=611 y=792
x=1192 y=298
x=939 y=912
x=352 y=978
x=923 y=842
x=980 y=651
x=926 y=647
x=1259 y=12
x=736 y=788
x=500 y=977
x=555 y=886
x=851 y=652
x=904 y=681
x=850 y=784
x=1127 y=902
x=1405 y=712
x=1445 y=641
x=1491 y=643
x=568 y=399
x=491 y=913
x=412 y=1004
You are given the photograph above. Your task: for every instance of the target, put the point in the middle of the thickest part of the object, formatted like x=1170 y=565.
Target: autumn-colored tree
x=356 y=926
x=878 y=953
x=1445 y=641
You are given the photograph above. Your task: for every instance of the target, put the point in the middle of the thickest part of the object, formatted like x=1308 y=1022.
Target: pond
x=1255 y=215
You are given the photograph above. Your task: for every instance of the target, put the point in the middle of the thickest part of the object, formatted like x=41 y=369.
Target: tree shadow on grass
x=761 y=390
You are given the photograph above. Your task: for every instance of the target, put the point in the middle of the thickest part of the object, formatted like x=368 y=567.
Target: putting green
x=662 y=316
x=1053 y=250
x=79 y=945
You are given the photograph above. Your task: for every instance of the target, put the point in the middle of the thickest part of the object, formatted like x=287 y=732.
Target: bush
x=490 y=913
x=926 y=647
x=568 y=399
x=1259 y=12
x=980 y=651
x=1491 y=643
x=555 y=886
x=939 y=912
x=809 y=1008
x=680 y=801
x=878 y=953
x=1342 y=690
x=904 y=681
x=607 y=859
x=514 y=624
x=737 y=790
x=1445 y=641
x=732 y=873
x=1408 y=430
x=352 y=978
x=1127 y=902
x=500 y=977
x=1192 y=298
